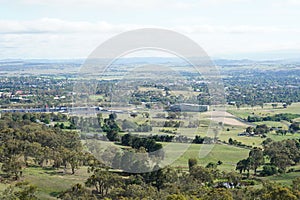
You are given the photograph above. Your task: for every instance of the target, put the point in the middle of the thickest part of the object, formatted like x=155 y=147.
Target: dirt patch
x=225 y=117
x=229 y=121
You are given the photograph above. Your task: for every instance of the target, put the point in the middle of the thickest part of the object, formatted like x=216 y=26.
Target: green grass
x=233 y=133
x=276 y=137
x=49 y=182
x=285 y=178
x=282 y=124
x=244 y=112
x=96 y=97
x=229 y=155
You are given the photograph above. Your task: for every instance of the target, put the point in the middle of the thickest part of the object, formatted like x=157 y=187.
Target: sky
x=232 y=29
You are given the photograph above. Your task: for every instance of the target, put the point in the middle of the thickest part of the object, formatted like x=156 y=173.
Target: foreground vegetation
x=35 y=155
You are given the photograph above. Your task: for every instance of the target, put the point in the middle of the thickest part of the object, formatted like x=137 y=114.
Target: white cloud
x=58 y=26
x=242 y=29
x=134 y=4
x=51 y=25
x=56 y=38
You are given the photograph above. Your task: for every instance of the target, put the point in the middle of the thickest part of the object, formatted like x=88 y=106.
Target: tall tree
x=256 y=158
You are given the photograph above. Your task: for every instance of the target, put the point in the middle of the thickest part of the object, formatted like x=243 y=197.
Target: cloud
x=241 y=29
x=58 y=26
x=52 y=25
x=56 y=38
x=134 y=4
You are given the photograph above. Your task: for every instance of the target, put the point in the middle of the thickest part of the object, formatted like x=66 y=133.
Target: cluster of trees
x=281 y=155
x=294 y=127
x=203 y=140
x=162 y=138
x=254 y=160
x=174 y=184
x=38 y=117
x=137 y=142
x=237 y=143
x=173 y=123
x=145 y=127
x=85 y=124
x=278 y=117
x=23 y=141
x=110 y=126
x=258 y=130
x=19 y=191
x=168 y=131
x=264 y=129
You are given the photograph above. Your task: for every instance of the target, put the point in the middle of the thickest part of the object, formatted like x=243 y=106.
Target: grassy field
x=50 y=182
x=286 y=178
x=96 y=97
x=233 y=133
x=229 y=155
x=267 y=110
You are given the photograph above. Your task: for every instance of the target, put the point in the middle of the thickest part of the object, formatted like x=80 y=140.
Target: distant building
x=232 y=103
x=186 y=107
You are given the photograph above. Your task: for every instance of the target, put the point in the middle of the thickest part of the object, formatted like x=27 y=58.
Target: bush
x=269 y=170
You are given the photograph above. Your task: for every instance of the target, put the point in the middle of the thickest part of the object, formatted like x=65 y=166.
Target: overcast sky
x=73 y=28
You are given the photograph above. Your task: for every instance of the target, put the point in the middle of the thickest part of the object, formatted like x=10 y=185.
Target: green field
x=50 y=182
x=244 y=112
x=229 y=155
x=285 y=178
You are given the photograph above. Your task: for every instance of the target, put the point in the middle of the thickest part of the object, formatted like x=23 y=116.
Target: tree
x=74 y=159
x=112 y=135
x=103 y=181
x=62 y=126
x=211 y=165
x=161 y=177
x=278 y=193
x=283 y=153
x=21 y=191
x=282 y=161
x=268 y=170
x=294 y=127
x=192 y=162
x=256 y=158
x=26 y=192
x=176 y=197
x=296 y=184
x=13 y=167
x=243 y=165
x=113 y=116
x=250 y=129
x=202 y=174
x=261 y=129
x=139 y=191
x=219 y=193
x=77 y=191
